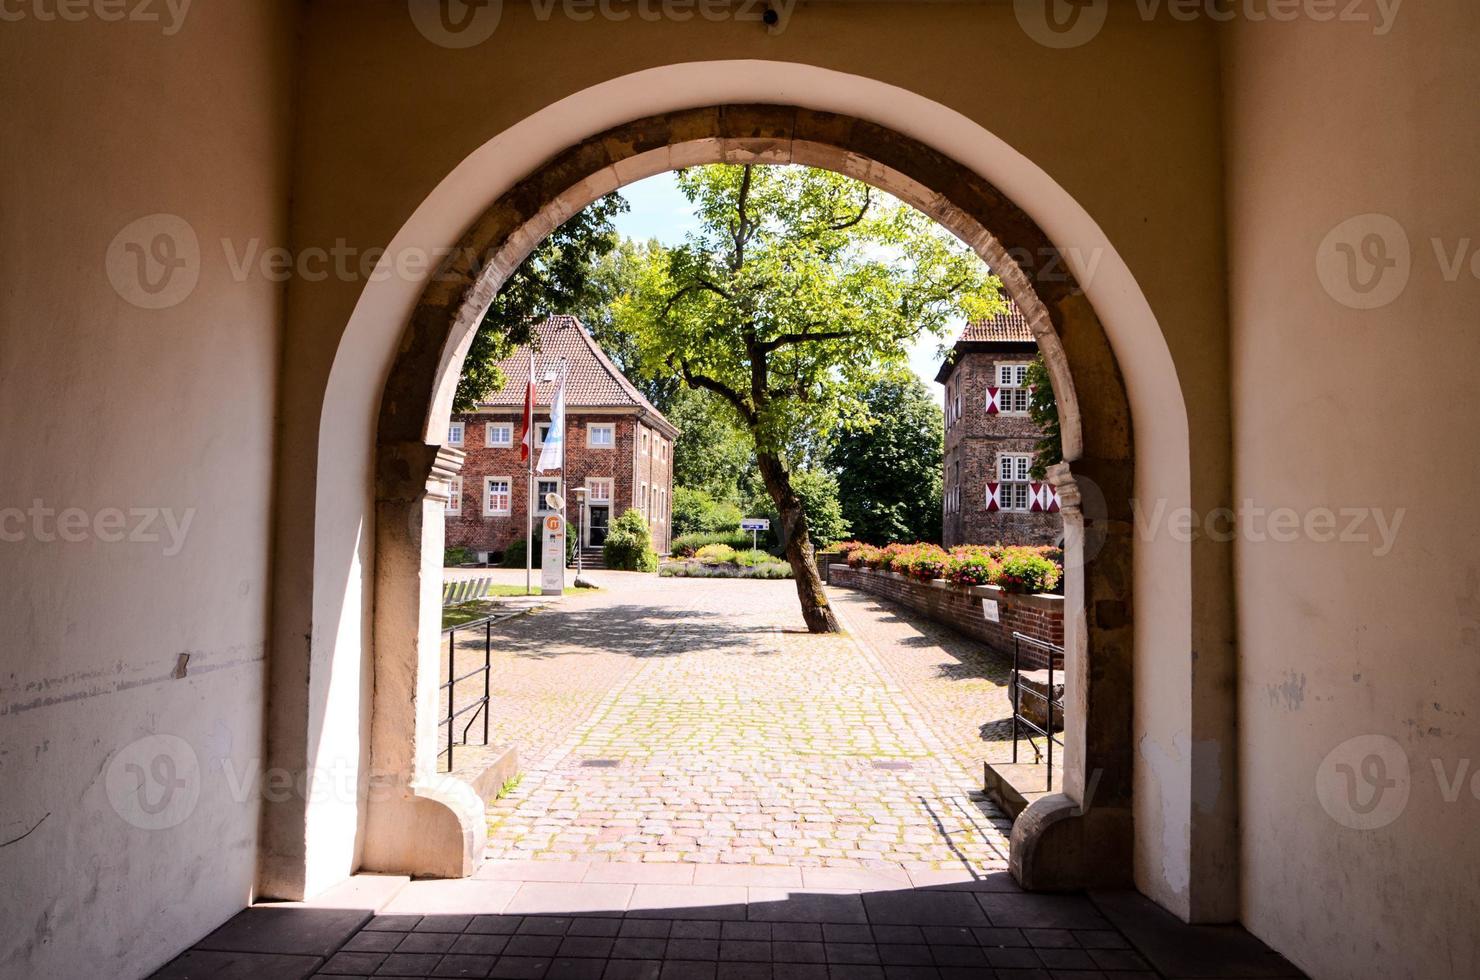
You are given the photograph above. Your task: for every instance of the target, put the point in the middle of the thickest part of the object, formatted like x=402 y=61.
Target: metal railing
x=1050 y=653
x=453 y=711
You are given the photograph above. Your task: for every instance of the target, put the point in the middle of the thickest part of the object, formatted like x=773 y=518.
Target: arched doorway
x=433 y=825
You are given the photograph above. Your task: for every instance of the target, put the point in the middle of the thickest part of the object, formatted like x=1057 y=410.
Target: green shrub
x=971 y=566
x=1027 y=570
x=456 y=556
x=685 y=545
x=755 y=558
x=715 y=554
x=696 y=512
x=769 y=569
x=514 y=555
x=629 y=544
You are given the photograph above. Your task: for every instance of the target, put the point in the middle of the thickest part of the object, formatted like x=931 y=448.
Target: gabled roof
x=1009 y=325
x=1007 y=331
x=593 y=381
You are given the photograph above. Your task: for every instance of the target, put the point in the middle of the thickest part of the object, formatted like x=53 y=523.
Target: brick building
x=619 y=448
x=988 y=496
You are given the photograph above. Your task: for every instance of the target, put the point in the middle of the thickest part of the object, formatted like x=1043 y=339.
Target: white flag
x=552 y=457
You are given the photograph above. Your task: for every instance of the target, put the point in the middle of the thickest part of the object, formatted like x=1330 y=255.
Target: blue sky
x=660 y=211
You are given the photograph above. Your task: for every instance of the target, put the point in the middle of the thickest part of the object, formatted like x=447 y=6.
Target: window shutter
x=992 y=403
x=994 y=501
x=1036 y=497
x=1052 y=498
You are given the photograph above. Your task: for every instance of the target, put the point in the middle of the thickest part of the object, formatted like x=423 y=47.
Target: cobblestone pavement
x=957 y=683
x=690 y=721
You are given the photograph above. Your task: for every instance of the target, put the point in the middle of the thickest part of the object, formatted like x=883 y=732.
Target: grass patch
x=467 y=612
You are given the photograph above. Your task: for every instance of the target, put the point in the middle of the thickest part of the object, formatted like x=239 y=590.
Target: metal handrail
x=1051 y=651
x=453 y=712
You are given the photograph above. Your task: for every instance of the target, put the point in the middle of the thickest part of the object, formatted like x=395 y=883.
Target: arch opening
x=435 y=827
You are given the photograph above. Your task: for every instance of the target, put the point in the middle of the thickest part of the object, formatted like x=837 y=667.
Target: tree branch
x=694 y=380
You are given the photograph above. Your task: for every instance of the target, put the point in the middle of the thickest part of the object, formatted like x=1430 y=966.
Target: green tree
x=697 y=512
x=629 y=544
x=797 y=285
x=889 y=465
x=712 y=452
x=559 y=276
x=818 y=491
x=1044 y=411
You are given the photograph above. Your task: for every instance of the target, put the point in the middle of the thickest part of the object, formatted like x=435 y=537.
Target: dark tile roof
x=1010 y=325
x=595 y=382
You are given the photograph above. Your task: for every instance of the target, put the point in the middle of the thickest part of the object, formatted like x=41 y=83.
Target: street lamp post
x=580 y=492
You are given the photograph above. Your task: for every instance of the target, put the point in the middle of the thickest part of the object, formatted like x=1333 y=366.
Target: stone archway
x=426 y=824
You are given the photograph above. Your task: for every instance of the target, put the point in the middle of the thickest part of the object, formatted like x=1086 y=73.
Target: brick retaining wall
x=960 y=607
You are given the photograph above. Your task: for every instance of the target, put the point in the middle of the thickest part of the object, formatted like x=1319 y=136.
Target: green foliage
x=797 y=284
x=771 y=569
x=452 y=557
x=1044 y=411
x=818 y=491
x=713 y=450
x=1024 y=570
x=514 y=555
x=889 y=463
x=687 y=545
x=1015 y=568
x=629 y=544
x=715 y=554
x=754 y=558
x=696 y=511
x=557 y=277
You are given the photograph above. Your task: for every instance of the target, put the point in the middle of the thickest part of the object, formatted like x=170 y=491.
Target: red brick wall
x=960 y=607
x=623 y=463
x=973 y=441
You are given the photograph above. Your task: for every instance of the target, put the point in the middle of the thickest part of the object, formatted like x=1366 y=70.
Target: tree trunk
x=816 y=611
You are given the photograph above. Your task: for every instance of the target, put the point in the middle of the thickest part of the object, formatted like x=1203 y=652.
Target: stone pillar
x=419 y=821
x=1081 y=837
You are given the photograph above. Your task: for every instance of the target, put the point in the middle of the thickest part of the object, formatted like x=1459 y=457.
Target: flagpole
x=529 y=518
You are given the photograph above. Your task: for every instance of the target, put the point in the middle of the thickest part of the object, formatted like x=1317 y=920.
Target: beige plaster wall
x=106 y=405
x=1127 y=128
x=1372 y=409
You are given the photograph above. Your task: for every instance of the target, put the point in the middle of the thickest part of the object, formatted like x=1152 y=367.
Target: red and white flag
x=526 y=439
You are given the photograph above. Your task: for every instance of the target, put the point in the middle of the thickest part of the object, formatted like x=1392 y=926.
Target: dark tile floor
x=979 y=930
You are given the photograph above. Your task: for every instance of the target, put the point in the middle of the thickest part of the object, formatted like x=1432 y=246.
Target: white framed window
x=499 y=435
x=454 y=434
x=498 y=496
x=454 y=495
x=1012 y=476
x=642 y=498
x=662 y=504
x=599 y=489
x=541 y=432
x=1012 y=393
x=542 y=487
x=646 y=440
x=601 y=435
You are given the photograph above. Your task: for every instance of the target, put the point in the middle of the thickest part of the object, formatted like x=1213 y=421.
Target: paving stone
x=520 y=968
x=459 y=965
x=297 y=930
x=229 y=965
x=409 y=964
x=925 y=908
x=470 y=943
x=427 y=942
x=571 y=968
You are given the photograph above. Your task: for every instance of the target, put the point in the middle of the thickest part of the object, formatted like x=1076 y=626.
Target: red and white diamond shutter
x=994 y=499
x=993 y=406
x=1043 y=497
